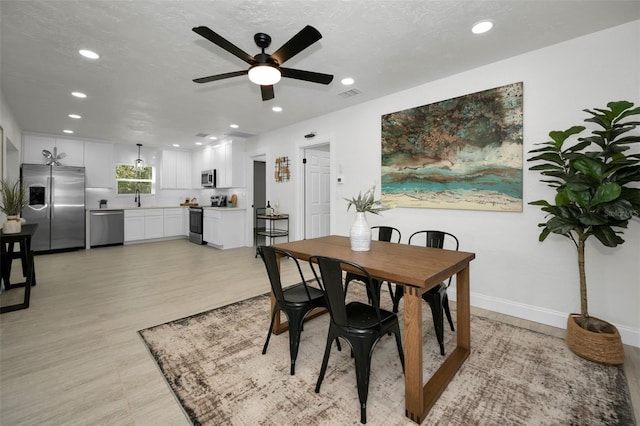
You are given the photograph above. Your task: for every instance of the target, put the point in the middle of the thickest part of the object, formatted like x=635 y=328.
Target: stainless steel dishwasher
x=107 y=227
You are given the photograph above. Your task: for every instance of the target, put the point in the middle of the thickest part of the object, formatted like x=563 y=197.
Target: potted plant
x=596 y=195
x=360 y=234
x=12 y=203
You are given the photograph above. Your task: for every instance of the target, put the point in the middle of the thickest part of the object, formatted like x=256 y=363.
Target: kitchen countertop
x=163 y=207
x=223 y=208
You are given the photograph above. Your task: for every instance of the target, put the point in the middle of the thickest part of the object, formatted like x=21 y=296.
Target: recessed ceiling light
x=213 y=138
x=233 y=126
x=76 y=116
x=276 y=109
x=347 y=81
x=176 y=144
x=68 y=131
x=88 y=54
x=198 y=143
x=79 y=94
x=482 y=27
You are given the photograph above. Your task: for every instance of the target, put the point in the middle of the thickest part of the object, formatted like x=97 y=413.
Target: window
x=129 y=179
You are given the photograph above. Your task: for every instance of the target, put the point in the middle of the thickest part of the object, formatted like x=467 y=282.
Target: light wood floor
x=74 y=356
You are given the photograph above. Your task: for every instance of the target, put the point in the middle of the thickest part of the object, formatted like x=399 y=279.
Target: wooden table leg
x=447 y=371
x=463 y=307
x=420 y=401
x=413 y=380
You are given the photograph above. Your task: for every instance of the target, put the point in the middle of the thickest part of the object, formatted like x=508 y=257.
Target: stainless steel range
x=195 y=225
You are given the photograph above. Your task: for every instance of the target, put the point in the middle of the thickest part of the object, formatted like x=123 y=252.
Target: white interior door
x=318 y=201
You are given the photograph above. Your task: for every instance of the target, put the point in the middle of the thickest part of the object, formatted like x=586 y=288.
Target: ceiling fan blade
x=219 y=76
x=305 y=38
x=217 y=39
x=267 y=92
x=314 y=77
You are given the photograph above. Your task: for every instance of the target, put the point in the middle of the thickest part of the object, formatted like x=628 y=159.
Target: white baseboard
x=630 y=336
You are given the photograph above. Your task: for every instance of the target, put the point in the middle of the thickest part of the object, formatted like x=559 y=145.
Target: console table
x=7 y=243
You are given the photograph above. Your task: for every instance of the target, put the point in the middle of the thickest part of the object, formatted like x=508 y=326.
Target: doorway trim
x=249 y=219
x=301 y=184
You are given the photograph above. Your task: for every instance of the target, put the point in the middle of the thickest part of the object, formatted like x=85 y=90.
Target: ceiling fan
x=265 y=69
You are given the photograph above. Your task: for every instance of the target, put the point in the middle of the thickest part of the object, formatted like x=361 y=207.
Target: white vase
x=360 y=234
x=13 y=225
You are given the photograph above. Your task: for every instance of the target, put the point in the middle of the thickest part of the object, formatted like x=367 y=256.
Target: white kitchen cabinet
x=229 y=161
x=220 y=164
x=211 y=227
x=200 y=160
x=224 y=228
x=34 y=144
x=196 y=168
x=74 y=150
x=173 y=222
x=176 y=170
x=183 y=170
x=32 y=148
x=153 y=223
x=99 y=165
x=168 y=175
x=133 y=225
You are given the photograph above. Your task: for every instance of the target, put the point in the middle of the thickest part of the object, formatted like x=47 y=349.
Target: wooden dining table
x=7 y=254
x=417 y=269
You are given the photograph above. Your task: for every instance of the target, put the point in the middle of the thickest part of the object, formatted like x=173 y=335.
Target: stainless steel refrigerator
x=56 y=203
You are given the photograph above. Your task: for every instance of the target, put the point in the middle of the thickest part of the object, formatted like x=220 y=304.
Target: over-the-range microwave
x=208 y=178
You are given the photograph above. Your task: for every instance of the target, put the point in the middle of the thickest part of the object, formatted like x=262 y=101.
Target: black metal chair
x=360 y=324
x=385 y=233
x=436 y=297
x=295 y=301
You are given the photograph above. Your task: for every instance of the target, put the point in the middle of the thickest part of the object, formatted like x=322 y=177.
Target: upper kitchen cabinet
x=99 y=165
x=200 y=160
x=176 y=170
x=34 y=145
x=228 y=160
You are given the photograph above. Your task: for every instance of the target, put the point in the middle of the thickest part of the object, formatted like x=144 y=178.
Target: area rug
x=213 y=364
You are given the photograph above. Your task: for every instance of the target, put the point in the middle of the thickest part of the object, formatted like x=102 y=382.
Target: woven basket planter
x=601 y=347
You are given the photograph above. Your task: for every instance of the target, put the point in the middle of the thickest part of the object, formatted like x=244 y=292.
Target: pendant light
x=138 y=164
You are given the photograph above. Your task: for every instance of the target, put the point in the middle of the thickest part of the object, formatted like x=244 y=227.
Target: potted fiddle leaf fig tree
x=596 y=183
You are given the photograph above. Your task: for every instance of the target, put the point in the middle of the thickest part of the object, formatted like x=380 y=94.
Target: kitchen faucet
x=137 y=197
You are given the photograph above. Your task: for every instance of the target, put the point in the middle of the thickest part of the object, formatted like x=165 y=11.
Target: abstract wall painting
x=461 y=153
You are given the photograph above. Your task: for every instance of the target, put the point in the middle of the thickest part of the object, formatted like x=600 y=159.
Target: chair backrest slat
x=433 y=238
x=333 y=286
x=268 y=255
x=386 y=233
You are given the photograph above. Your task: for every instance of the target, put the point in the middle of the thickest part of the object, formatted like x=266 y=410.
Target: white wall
x=513 y=272
x=13 y=142
x=10 y=151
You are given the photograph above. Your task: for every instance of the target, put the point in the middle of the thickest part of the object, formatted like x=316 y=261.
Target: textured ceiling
x=141 y=88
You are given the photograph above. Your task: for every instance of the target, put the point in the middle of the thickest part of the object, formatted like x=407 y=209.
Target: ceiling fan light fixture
x=264 y=75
